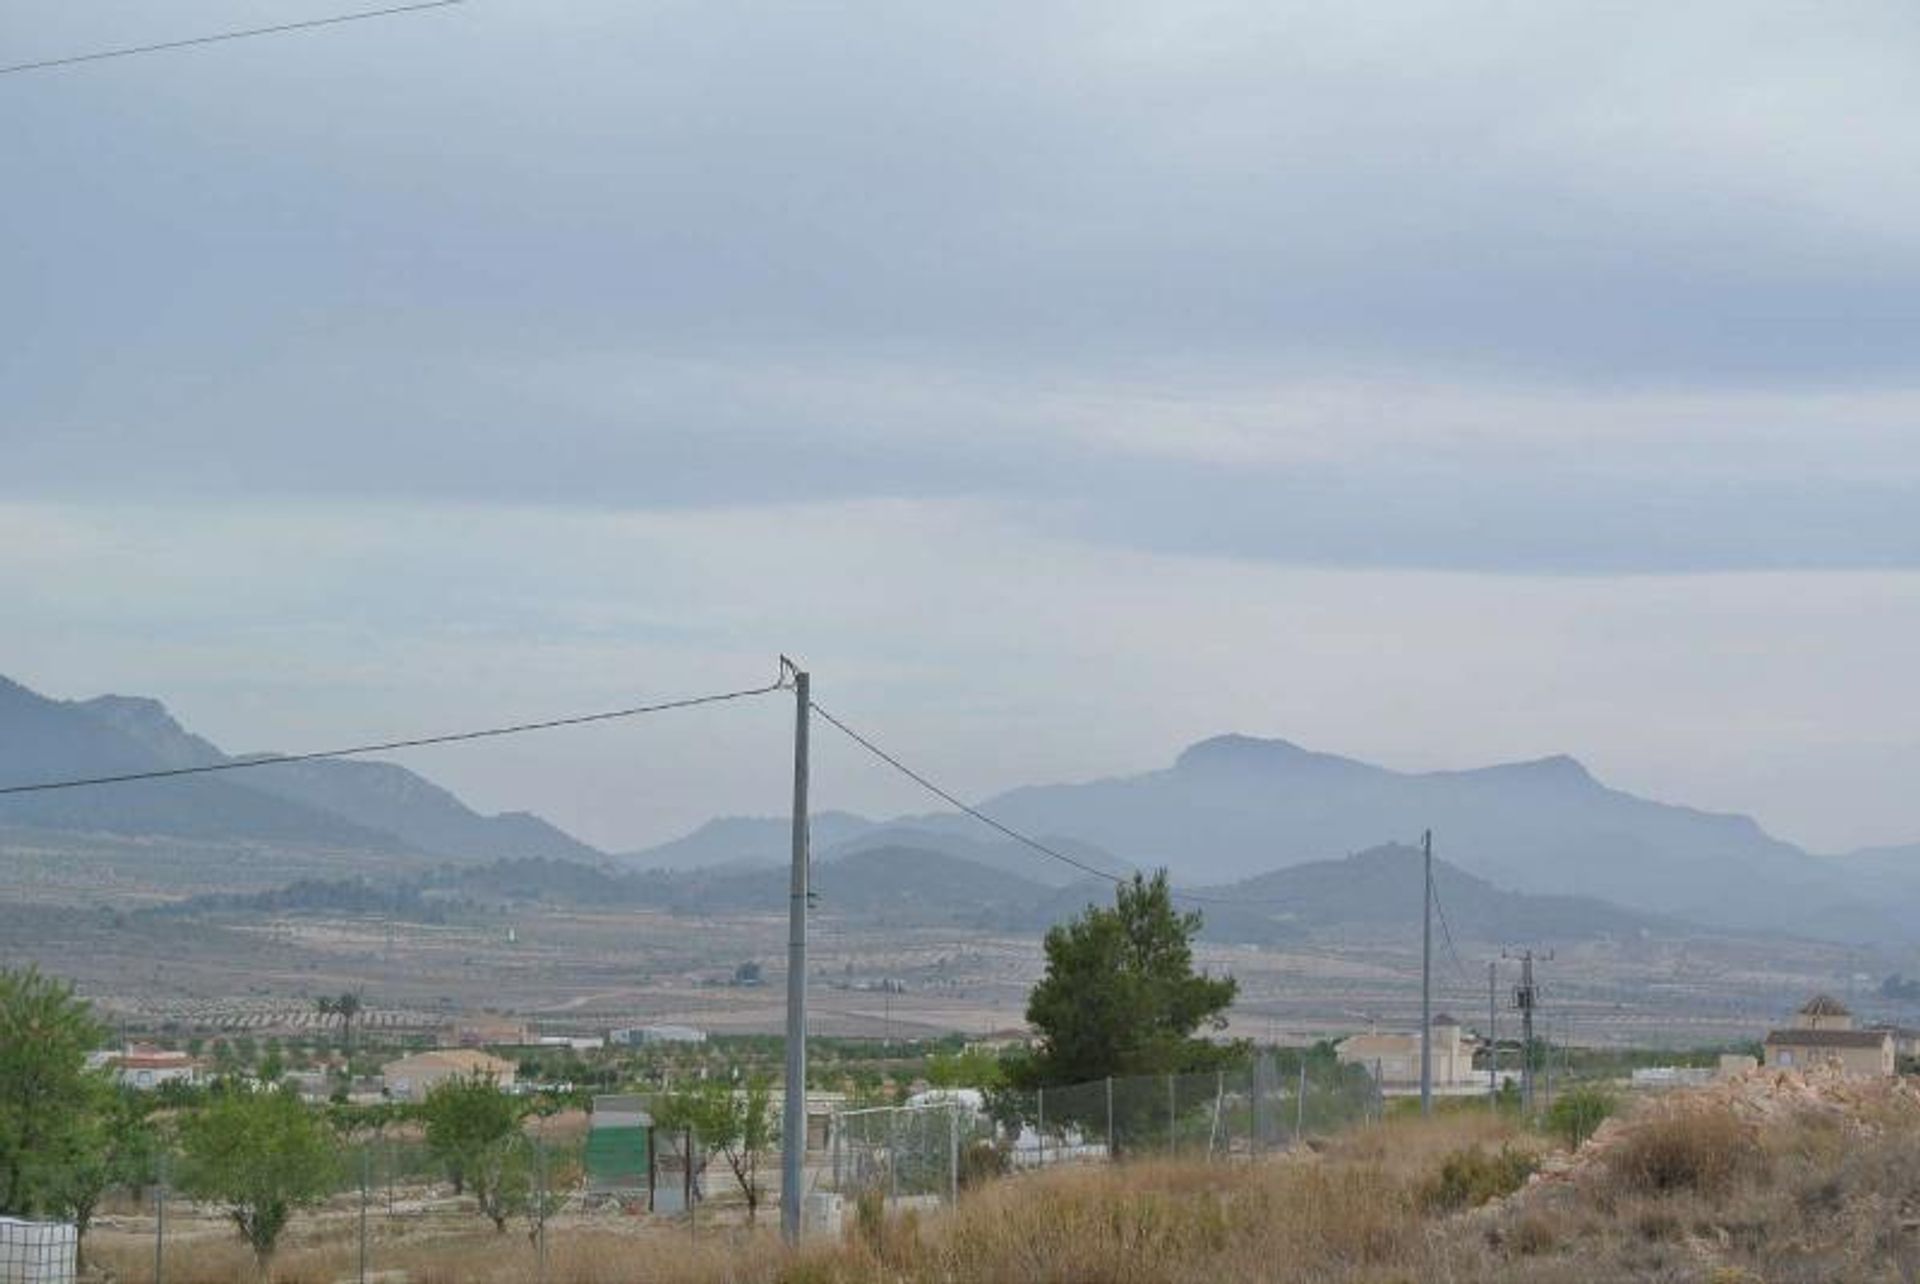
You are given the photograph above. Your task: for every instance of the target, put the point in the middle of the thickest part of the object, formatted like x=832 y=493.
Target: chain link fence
x=36 y=1252
x=388 y=1202
x=911 y=1152
x=936 y=1149
x=392 y=1207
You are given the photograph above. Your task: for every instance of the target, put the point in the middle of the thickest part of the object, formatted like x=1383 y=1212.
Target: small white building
x=1394 y=1059
x=656 y=1035
x=574 y=1042
x=145 y=1068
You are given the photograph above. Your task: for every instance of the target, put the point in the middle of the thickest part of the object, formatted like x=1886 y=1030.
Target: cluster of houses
x=1823 y=1035
x=409 y=1078
x=462 y=1054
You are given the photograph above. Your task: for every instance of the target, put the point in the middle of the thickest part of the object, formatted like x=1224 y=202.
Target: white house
x=146 y=1068
x=1394 y=1059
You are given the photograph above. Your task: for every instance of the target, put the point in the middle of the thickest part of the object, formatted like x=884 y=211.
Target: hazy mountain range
x=1235 y=808
x=360 y=805
x=889 y=887
x=1261 y=819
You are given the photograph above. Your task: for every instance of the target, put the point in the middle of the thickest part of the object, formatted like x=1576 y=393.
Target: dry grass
x=1681 y=1149
x=1693 y=1195
x=1350 y=1214
x=1412 y=1146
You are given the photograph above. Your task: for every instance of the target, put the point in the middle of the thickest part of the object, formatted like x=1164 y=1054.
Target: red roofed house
x=145 y=1067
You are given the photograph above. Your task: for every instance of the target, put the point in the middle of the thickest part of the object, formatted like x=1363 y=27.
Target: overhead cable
x=218 y=37
x=513 y=729
x=1446 y=934
x=1025 y=840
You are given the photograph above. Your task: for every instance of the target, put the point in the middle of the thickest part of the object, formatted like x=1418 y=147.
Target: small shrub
x=870 y=1217
x=891 y=1238
x=983 y=1161
x=1700 y=1150
x=1656 y=1225
x=1471 y=1177
x=1534 y=1235
x=1577 y=1114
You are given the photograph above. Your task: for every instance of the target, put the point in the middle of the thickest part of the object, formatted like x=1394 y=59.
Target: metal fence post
x=1040 y=1129
x=540 y=1206
x=1300 y=1102
x=160 y=1219
x=1110 y=1152
x=366 y=1167
x=953 y=1152
x=686 y=1181
x=1173 y=1116
x=1219 y=1103
x=893 y=1160
x=1256 y=1107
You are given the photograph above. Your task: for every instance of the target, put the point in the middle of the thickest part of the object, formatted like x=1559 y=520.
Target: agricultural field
x=97 y=911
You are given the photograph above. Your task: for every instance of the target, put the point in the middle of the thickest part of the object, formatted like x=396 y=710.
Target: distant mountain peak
x=1557 y=768
x=362 y=805
x=1236 y=752
x=143 y=708
x=153 y=725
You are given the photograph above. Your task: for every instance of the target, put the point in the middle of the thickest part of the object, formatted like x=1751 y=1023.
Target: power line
x=1023 y=839
x=218 y=37
x=1446 y=934
x=514 y=729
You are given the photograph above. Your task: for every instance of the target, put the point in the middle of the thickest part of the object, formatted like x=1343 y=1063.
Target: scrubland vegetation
x=1727 y=1187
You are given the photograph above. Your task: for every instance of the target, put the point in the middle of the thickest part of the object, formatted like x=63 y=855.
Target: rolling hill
x=336 y=803
x=1227 y=813
x=1234 y=808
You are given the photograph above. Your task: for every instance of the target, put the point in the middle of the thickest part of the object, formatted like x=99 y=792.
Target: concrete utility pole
x=1546 y=1062
x=1426 y=981
x=1493 y=1038
x=793 y=1126
x=1527 y=999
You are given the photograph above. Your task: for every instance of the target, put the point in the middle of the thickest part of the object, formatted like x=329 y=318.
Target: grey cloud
x=352 y=265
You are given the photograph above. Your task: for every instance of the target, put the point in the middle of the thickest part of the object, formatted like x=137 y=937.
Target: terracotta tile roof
x=460 y=1059
x=1827 y=1038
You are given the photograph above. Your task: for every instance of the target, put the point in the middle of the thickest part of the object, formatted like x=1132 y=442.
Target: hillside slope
x=363 y=805
x=1234 y=806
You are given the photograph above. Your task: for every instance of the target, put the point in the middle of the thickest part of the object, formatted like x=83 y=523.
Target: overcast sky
x=1432 y=383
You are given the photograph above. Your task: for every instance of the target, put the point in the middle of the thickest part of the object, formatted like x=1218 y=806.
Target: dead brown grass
x=1679 y=1193
x=1130 y=1224
x=1682 y=1149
